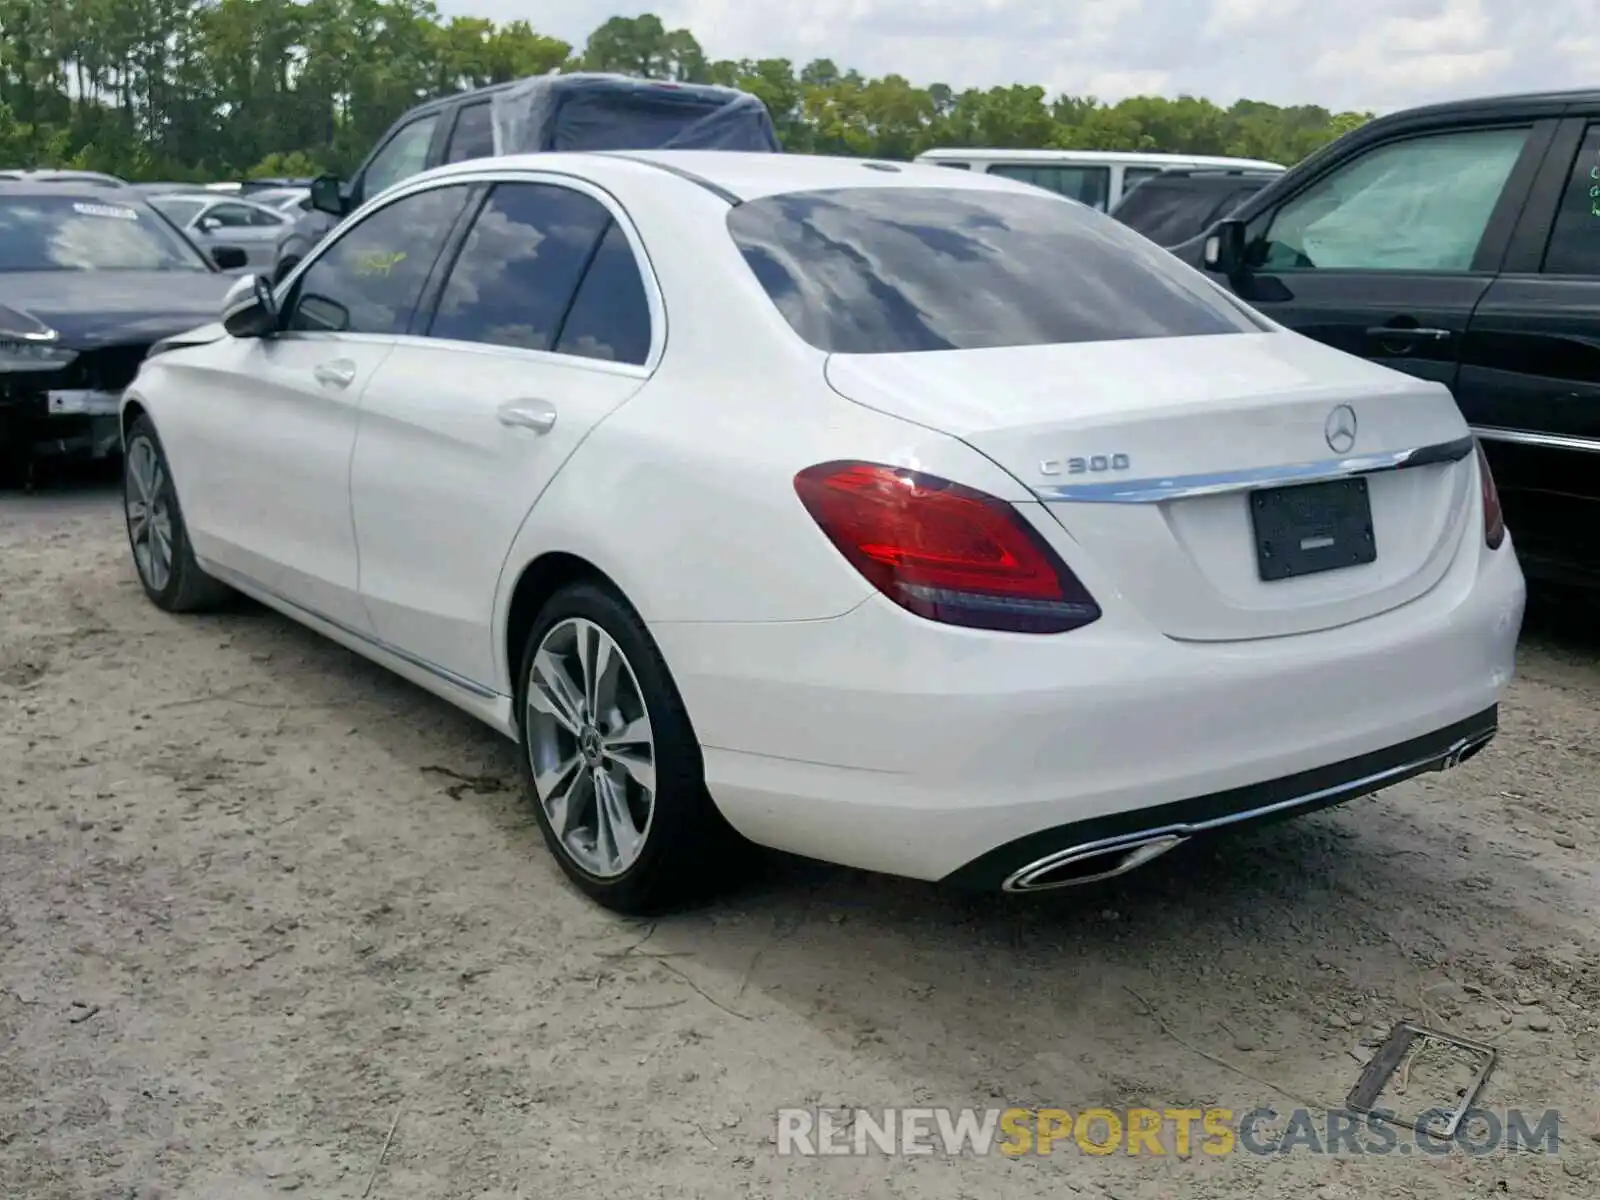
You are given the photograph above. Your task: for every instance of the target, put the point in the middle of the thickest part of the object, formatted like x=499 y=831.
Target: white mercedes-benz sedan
x=923 y=522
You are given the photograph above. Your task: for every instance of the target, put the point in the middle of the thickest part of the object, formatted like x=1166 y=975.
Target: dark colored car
x=1182 y=203
x=1460 y=243
x=583 y=111
x=89 y=280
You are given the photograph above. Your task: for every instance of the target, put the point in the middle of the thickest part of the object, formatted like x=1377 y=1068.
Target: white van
x=1096 y=177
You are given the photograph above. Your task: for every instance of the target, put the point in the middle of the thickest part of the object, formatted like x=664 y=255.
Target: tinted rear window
x=890 y=270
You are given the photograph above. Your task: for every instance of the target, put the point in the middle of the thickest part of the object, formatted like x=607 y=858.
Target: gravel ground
x=273 y=922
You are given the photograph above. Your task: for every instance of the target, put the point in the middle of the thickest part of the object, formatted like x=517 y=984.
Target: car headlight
x=17 y=354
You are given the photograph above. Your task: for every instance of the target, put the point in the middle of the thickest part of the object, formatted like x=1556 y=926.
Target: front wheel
x=611 y=761
x=162 y=555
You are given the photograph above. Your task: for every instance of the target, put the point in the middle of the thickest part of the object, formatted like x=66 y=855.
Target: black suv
x=1459 y=243
x=581 y=111
x=1184 y=202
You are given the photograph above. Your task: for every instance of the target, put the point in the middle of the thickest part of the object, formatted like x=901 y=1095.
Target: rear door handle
x=339 y=373
x=536 y=415
x=1409 y=333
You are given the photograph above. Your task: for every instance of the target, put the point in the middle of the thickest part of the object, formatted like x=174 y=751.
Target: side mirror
x=1224 y=248
x=230 y=258
x=250 y=310
x=327 y=195
x=207 y=224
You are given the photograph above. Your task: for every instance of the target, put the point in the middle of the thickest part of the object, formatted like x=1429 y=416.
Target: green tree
x=227 y=88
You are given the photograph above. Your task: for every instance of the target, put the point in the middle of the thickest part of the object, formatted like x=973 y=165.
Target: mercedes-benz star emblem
x=1341 y=429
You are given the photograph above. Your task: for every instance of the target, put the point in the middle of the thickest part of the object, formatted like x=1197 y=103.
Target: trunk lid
x=1148 y=455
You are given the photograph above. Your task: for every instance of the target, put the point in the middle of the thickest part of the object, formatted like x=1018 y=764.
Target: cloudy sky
x=1344 y=54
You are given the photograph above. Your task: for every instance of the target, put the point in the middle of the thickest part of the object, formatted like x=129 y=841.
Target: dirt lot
x=272 y=922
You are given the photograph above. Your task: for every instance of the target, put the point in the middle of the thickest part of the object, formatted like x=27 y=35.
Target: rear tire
x=601 y=721
x=157 y=536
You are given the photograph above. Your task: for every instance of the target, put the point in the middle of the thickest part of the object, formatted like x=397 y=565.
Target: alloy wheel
x=591 y=748
x=149 y=518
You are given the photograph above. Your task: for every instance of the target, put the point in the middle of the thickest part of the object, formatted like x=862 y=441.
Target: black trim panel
x=1322 y=787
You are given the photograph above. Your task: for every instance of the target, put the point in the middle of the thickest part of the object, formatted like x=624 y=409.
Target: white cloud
x=1369 y=54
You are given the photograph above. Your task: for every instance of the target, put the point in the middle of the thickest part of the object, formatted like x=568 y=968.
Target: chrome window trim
x=1217 y=483
x=1550 y=441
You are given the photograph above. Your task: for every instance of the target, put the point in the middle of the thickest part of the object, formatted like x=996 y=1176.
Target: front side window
x=1421 y=204
x=1090 y=185
x=402 y=156
x=71 y=233
x=519 y=266
x=370 y=278
x=891 y=270
x=1574 y=247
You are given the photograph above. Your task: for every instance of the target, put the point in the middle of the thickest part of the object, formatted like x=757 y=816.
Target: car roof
x=1134 y=158
x=1509 y=101
x=1210 y=178
x=740 y=175
x=58 y=177
x=574 y=81
x=71 y=190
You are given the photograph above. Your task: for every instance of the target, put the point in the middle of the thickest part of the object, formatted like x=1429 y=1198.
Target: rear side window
x=1132 y=177
x=610 y=316
x=1574 y=247
x=519 y=266
x=1091 y=185
x=1172 y=211
x=891 y=270
x=473 y=136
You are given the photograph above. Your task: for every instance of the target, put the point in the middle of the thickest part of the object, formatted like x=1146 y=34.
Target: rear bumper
x=880 y=741
x=1086 y=851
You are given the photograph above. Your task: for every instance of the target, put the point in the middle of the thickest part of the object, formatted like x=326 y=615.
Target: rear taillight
x=943 y=551
x=1494 y=521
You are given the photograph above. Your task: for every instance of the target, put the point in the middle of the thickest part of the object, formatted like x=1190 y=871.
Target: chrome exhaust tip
x=1464 y=750
x=1078 y=865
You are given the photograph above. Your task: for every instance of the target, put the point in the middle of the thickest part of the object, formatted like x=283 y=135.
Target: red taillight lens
x=1494 y=521
x=943 y=551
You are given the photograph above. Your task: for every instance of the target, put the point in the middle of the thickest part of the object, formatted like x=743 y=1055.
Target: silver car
x=210 y=219
x=290 y=201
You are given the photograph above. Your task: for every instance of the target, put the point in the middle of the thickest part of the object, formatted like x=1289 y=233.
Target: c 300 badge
x=1095 y=464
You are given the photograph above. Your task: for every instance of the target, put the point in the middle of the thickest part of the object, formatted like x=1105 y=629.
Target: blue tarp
x=618 y=112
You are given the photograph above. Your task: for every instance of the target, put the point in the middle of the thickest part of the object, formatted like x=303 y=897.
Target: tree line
x=208 y=89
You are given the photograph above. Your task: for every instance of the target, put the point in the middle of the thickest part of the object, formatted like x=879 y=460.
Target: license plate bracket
x=1312 y=527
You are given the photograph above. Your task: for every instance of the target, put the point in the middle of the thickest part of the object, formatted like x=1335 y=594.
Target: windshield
x=68 y=233
x=890 y=270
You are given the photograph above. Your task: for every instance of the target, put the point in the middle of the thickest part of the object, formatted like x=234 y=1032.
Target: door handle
x=339 y=373
x=528 y=414
x=1409 y=333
